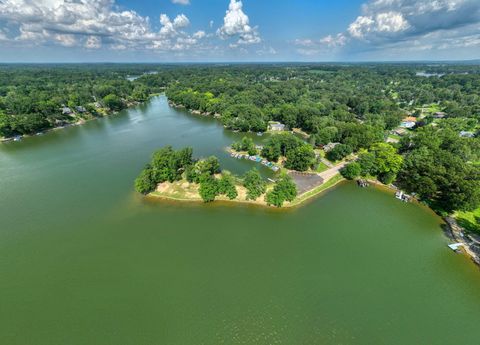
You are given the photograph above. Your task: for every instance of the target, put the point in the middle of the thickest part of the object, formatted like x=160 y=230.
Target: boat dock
x=363 y=183
x=256 y=159
x=402 y=196
x=456 y=246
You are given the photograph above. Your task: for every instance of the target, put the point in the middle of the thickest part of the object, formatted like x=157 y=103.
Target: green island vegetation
x=245 y=145
x=177 y=175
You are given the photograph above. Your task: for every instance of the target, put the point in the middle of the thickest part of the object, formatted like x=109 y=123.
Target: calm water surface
x=84 y=260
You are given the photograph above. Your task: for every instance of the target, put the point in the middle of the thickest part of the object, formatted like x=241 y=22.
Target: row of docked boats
x=256 y=159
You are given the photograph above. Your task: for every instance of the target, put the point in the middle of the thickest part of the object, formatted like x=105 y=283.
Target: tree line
x=33 y=97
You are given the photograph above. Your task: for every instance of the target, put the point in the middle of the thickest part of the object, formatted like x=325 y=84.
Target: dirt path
x=328 y=174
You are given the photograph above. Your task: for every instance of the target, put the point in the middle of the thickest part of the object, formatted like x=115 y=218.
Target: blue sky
x=234 y=30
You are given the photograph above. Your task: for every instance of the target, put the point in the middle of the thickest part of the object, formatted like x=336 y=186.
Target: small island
x=176 y=175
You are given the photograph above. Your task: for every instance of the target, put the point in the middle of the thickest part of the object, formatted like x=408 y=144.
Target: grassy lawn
x=394 y=95
x=298 y=131
x=432 y=108
x=394 y=136
x=320 y=152
x=321 y=167
x=469 y=220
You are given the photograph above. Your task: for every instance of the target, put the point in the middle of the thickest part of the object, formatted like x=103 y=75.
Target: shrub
x=145 y=182
x=284 y=190
x=339 y=152
x=209 y=189
x=351 y=171
x=226 y=186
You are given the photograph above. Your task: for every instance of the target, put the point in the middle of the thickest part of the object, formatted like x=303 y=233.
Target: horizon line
x=241 y=62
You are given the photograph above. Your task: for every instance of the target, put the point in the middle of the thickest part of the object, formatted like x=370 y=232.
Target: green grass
x=432 y=108
x=394 y=95
x=320 y=152
x=321 y=167
x=469 y=220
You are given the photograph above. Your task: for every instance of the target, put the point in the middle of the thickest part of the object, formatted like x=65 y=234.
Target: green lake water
x=85 y=260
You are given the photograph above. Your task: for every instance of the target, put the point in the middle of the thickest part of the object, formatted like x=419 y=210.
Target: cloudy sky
x=234 y=30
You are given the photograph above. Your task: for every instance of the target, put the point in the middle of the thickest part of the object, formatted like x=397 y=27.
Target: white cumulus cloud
x=92 y=24
x=236 y=24
x=93 y=42
x=385 y=22
x=409 y=24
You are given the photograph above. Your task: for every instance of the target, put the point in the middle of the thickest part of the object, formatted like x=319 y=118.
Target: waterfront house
x=66 y=111
x=465 y=134
x=81 y=109
x=329 y=147
x=276 y=126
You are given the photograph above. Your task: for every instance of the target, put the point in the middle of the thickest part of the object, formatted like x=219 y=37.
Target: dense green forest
x=356 y=106
x=34 y=98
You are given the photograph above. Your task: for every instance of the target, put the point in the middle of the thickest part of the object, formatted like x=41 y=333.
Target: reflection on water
x=85 y=260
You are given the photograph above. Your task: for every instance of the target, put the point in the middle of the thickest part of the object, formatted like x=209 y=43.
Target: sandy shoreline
x=458 y=235
x=298 y=202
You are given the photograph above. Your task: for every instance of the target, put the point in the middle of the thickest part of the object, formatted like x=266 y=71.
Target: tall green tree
x=284 y=190
x=301 y=158
x=226 y=186
x=254 y=184
x=351 y=170
x=387 y=161
x=145 y=183
x=113 y=102
x=209 y=189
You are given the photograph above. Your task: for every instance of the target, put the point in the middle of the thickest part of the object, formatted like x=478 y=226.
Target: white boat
x=402 y=196
x=455 y=246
